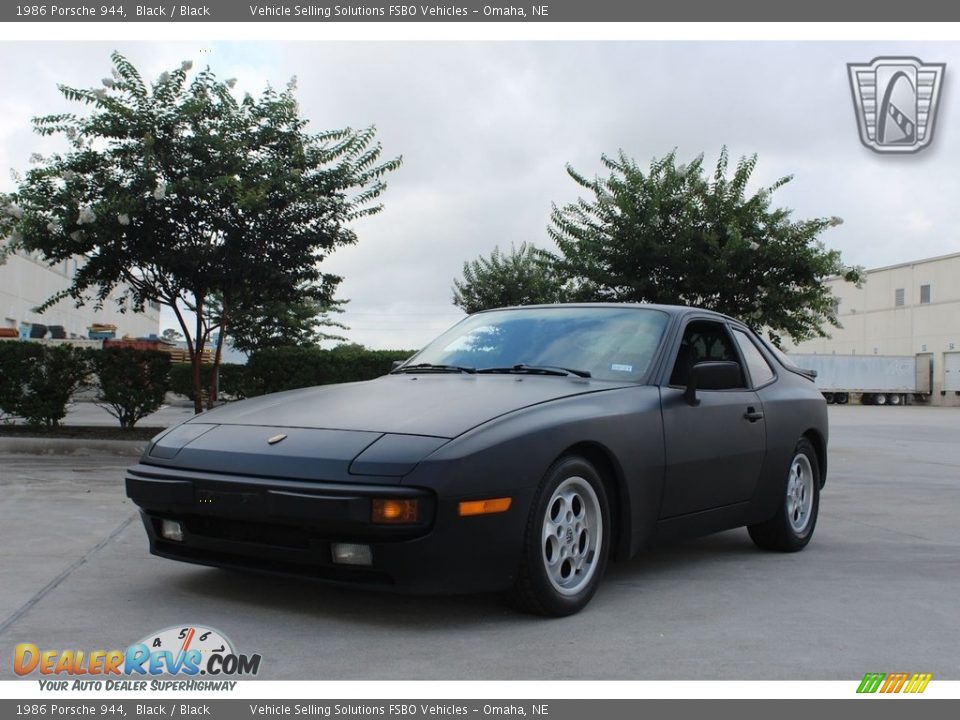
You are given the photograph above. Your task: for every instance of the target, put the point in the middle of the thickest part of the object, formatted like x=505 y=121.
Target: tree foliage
x=301 y=321
x=674 y=235
x=524 y=276
x=175 y=191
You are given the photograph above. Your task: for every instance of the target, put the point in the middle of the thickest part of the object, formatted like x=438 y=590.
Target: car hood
x=442 y=406
x=373 y=431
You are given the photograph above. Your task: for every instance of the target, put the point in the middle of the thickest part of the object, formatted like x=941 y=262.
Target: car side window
x=760 y=371
x=703 y=341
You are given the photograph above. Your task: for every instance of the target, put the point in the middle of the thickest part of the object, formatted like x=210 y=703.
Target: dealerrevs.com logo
x=183 y=650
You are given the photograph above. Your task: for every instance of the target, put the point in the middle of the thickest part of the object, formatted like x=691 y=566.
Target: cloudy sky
x=487 y=128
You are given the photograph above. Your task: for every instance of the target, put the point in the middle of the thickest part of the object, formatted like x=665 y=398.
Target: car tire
x=566 y=543
x=792 y=527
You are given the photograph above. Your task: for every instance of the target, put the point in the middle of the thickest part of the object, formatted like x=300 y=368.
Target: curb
x=70 y=446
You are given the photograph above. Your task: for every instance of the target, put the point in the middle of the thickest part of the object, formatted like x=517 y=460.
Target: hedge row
x=38 y=380
x=288 y=368
x=232 y=380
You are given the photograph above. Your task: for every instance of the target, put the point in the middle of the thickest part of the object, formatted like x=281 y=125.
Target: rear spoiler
x=784 y=360
x=810 y=375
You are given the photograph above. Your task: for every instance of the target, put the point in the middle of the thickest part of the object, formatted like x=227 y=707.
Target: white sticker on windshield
x=621 y=368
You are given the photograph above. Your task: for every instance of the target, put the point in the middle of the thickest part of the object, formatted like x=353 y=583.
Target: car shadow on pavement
x=729 y=546
x=306 y=598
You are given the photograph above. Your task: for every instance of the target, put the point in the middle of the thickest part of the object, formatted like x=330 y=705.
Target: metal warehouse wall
x=874 y=324
x=26 y=282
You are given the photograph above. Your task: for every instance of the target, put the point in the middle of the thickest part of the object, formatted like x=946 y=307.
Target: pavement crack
x=52 y=585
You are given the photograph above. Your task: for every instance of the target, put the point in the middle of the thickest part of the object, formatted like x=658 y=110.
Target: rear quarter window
x=760 y=371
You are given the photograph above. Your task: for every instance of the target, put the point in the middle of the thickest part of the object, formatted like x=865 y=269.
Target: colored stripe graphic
x=918 y=683
x=894 y=682
x=871 y=682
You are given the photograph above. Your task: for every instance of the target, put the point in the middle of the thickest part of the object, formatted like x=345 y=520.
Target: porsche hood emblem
x=275 y=439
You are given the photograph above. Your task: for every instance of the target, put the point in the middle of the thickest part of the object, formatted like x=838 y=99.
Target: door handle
x=752 y=414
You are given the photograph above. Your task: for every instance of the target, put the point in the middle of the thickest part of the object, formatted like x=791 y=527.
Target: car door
x=714 y=449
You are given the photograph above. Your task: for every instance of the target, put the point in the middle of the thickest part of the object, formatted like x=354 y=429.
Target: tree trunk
x=193 y=359
x=197 y=360
x=215 y=375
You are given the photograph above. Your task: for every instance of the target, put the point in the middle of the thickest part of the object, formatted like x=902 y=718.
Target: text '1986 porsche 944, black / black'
x=519 y=451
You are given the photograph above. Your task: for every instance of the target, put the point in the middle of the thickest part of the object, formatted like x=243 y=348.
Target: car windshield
x=609 y=343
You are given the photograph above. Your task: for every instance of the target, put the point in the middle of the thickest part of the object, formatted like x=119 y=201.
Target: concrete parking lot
x=877 y=590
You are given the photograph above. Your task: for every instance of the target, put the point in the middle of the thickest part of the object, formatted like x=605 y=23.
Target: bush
x=132 y=382
x=232 y=379
x=16 y=360
x=276 y=369
x=181 y=378
x=288 y=368
x=37 y=381
x=355 y=362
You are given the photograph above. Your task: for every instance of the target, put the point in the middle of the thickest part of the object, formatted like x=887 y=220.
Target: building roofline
x=922 y=261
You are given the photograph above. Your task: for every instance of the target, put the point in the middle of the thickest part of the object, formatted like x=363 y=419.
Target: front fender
x=509 y=455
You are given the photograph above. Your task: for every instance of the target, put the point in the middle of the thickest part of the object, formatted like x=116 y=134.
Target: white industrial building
x=27 y=282
x=907 y=309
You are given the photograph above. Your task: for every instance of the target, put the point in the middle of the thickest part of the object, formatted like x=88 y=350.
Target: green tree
x=302 y=321
x=171 y=335
x=524 y=276
x=177 y=192
x=674 y=235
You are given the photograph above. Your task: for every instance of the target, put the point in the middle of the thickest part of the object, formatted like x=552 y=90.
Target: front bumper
x=288 y=527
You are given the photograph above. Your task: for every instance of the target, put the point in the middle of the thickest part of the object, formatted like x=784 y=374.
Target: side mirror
x=711 y=376
x=395 y=364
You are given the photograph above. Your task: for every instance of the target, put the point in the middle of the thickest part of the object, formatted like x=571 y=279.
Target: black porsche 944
x=519 y=451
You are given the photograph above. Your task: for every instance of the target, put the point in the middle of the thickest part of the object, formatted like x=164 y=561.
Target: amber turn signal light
x=485 y=507
x=392 y=511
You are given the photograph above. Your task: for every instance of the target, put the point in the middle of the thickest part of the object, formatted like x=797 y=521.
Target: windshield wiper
x=537 y=370
x=430 y=367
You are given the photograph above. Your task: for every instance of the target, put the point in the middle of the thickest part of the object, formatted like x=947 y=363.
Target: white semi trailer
x=877 y=379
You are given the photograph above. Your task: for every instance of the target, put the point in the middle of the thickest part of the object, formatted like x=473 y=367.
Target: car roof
x=674 y=310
